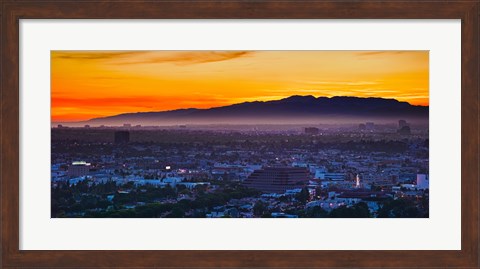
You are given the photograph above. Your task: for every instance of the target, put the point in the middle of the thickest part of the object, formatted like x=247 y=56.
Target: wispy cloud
x=185 y=58
x=150 y=57
x=333 y=91
x=379 y=52
x=142 y=103
x=291 y=91
x=341 y=83
x=94 y=55
x=102 y=102
x=259 y=98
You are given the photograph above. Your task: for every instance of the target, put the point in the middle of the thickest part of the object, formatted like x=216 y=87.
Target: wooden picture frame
x=12 y=11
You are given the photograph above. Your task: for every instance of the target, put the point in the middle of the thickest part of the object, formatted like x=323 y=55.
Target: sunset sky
x=89 y=84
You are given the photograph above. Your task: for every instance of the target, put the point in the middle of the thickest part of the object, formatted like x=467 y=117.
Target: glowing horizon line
x=261 y=101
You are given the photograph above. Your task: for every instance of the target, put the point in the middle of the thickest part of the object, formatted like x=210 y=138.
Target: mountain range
x=293 y=109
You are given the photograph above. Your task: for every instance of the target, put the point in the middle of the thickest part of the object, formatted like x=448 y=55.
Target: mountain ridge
x=296 y=107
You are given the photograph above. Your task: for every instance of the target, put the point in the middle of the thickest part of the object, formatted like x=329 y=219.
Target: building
x=405 y=130
x=278 y=179
x=319 y=173
x=122 y=137
x=362 y=127
x=402 y=123
x=370 y=126
x=127 y=125
x=78 y=169
x=311 y=130
x=422 y=181
x=334 y=176
x=172 y=181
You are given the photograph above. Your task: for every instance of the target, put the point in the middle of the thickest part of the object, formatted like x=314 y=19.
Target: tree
x=181 y=188
x=318 y=191
x=316 y=212
x=200 y=188
x=176 y=212
x=259 y=208
x=400 y=208
x=185 y=191
x=303 y=196
x=359 y=210
x=374 y=187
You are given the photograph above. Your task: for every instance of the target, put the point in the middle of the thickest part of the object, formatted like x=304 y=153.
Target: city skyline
x=140 y=81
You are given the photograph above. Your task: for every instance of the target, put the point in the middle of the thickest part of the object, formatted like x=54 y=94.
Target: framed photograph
x=240 y=134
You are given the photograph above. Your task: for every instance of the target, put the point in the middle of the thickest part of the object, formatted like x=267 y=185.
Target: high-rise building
x=402 y=123
x=405 y=130
x=122 y=137
x=278 y=179
x=370 y=125
x=422 y=181
x=78 y=169
x=311 y=130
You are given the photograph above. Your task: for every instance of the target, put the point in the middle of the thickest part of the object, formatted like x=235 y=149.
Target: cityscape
x=316 y=155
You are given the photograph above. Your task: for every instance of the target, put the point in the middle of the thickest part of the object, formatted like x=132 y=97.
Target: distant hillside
x=294 y=109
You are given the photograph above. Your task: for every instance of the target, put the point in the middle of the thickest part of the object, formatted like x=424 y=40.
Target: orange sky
x=89 y=84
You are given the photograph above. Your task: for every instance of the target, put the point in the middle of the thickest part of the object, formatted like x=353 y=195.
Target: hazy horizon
x=196 y=108
x=235 y=120
x=314 y=121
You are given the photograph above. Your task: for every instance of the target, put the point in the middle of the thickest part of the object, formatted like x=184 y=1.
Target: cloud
x=335 y=91
x=152 y=57
x=259 y=98
x=190 y=57
x=369 y=53
x=142 y=102
x=338 y=83
x=93 y=55
x=100 y=101
x=289 y=91
x=344 y=83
